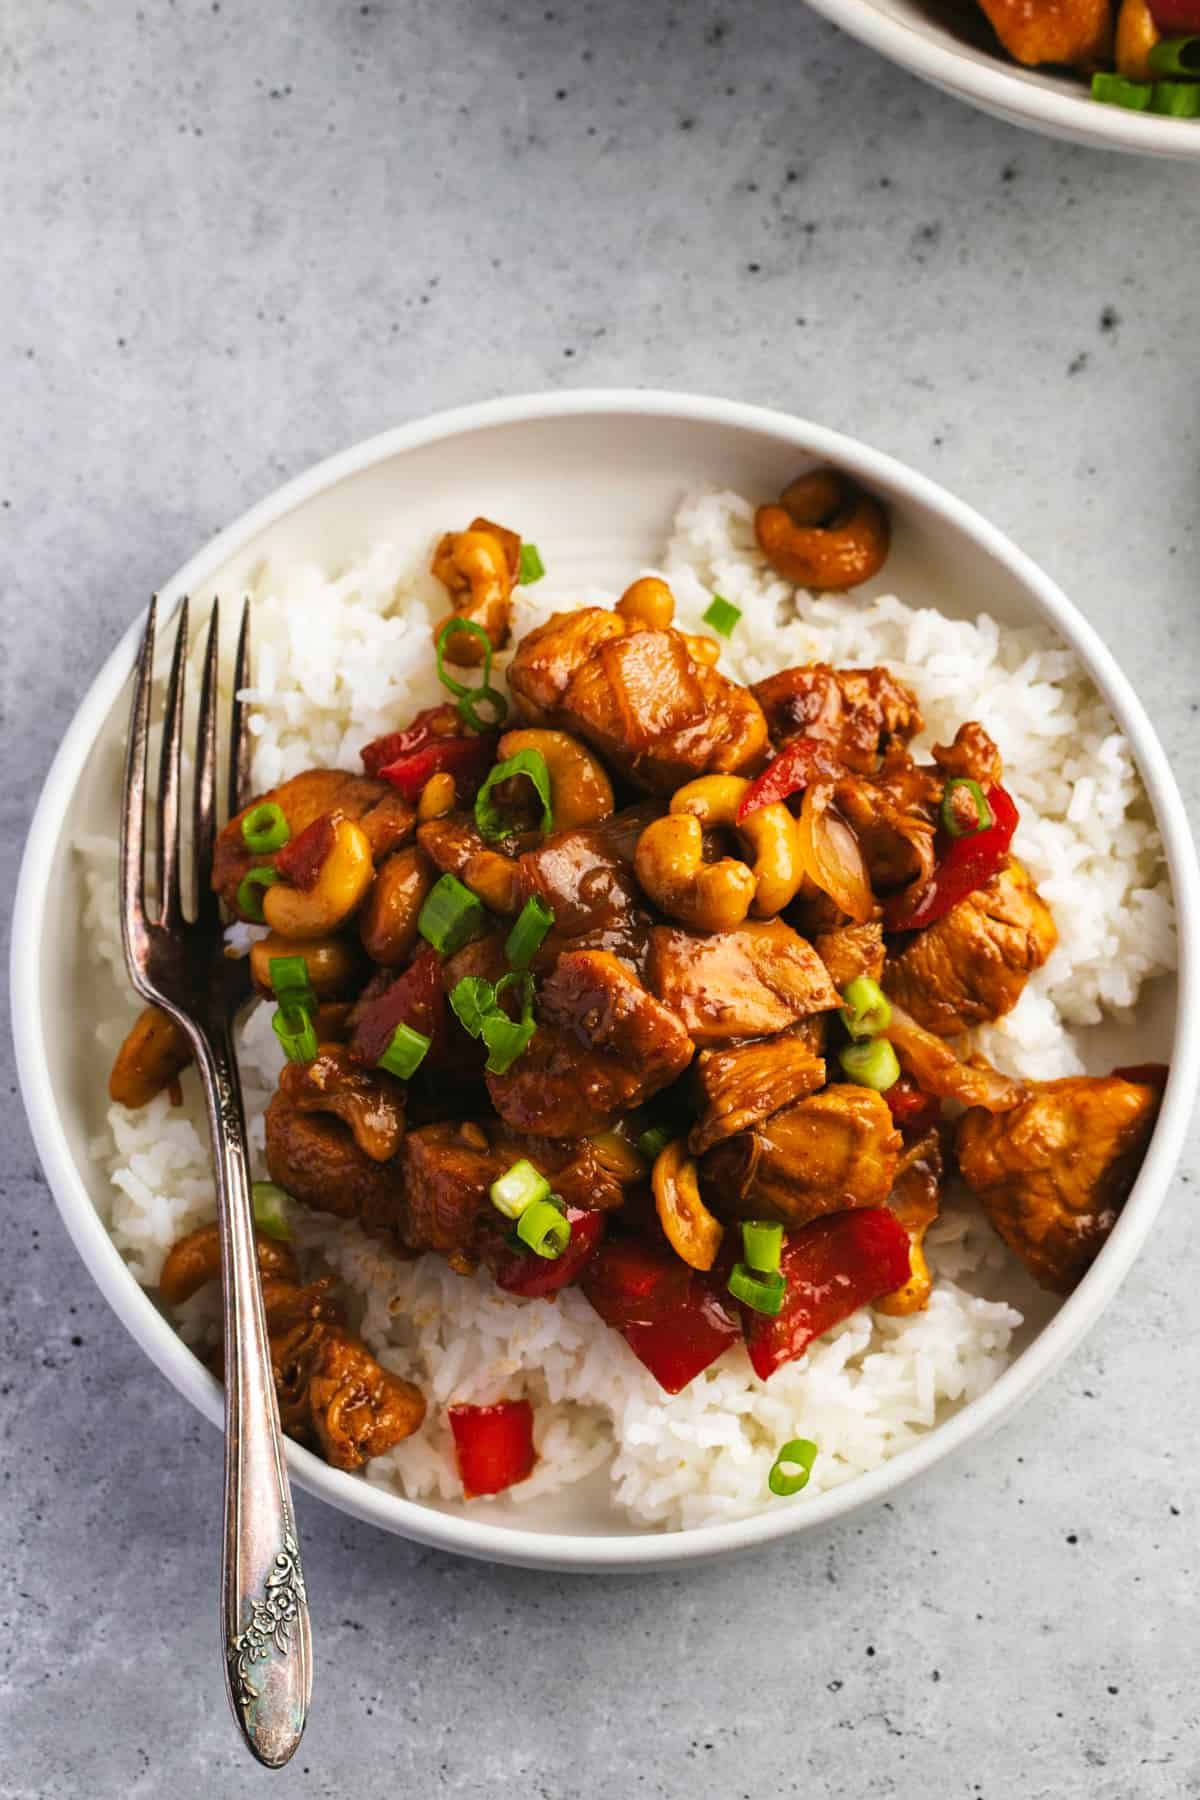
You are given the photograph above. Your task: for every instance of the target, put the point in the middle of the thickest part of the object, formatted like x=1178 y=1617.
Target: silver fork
x=177 y=964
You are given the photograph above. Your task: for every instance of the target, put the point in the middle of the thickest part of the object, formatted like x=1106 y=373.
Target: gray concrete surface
x=236 y=237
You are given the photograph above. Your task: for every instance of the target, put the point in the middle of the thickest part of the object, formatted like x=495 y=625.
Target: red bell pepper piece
x=674 y=1319
x=416 y=998
x=1176 y=18
x=299 y=862
x=965 y=865
x=435 y=722
x=914 y=1111
x=535 y=1277
x=832 y=1267
x=468 y=759
x=804 y=761
x=493 y=1445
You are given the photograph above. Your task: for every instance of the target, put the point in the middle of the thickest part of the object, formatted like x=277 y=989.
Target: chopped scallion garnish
x=406 y=1052
x=532 y=567
x=295 y=1030
x=525 y=938
x=1176 y=99
x=762 y=1245
x=792 y=1467
x=965 y=809
x=290 y=983
x=1115 y=90
x=1174 y=56
x=270 y=1209
x=469 y=698
x=762 y=1293
x=518 y=1188
x=488 y=817
x=249 y=899
x=544 y=1230
x=722 y=615
x=472 y=999
x=506 y=1038
x=265 y=828
x=451 y=916
x=867 y=1010
x=872 y=1063
x=654 y=1141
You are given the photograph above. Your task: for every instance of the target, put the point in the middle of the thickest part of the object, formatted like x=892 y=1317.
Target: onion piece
x=831 y=856
x=935 y=1067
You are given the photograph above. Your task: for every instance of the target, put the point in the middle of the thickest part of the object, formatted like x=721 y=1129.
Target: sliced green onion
x=406 y=1052
x=488 y=817
x=270 y=1209
x=722 y=615
x=951 y=822
x=544 y=1230
x=867 y=1011
x=1175 y=56
x=1176 y=99
x=762 y=1293
x=289 y=981
x=532 y=567
x=451 y=916
x=1115 y=90
x=792 y=1467
x=265 y=828
x=518 y=1188
x=249 y=900
x=468 y=698
x=472 y=999
x=871 y=1063
x=295 y=1030
x=506 y=1038
x=525 y=938
x=654 y=1141
x=762 y=1245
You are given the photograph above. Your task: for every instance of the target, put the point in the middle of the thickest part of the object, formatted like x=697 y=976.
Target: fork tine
x=133 y=797
x=204 y=816
x=170 y=911
x=239 y=741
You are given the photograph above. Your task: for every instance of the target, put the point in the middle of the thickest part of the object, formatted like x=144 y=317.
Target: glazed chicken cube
x=749 y=982
x=858 y=712
x=333 y=1393
x=1073 y=32
x=313 y=1156
x=602 y=1046
x=851 y=952
x=745 y=1084
x=830 y=1152
x=590 y=888
x=970 y=967
x=971 y=757
x=448 y=1168
x=639 y=697
x=1053 y=1174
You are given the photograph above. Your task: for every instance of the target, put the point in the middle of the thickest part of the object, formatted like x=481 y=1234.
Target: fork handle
x=264 y=1607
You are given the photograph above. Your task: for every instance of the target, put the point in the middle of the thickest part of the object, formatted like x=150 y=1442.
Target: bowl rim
x=647 y=1548
x=997 y=86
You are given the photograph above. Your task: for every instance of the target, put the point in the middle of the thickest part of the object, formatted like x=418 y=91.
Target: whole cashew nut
x=342 y=882
x=691 y=1230
x=669 y=863
x=331 y=963
x=771 y=836
x=195 y=1260
x=155 y=1050
x=648 y=601
x=824 y=532
x=388 y=923
x=479 y=568
x=580 y=791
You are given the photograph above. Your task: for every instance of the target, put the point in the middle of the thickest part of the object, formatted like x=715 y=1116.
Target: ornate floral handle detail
x=264 y=1606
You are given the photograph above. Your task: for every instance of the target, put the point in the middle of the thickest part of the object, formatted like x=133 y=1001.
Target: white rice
x=339 y=661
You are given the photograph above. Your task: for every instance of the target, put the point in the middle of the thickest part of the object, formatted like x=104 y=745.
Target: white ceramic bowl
x=595 y=478
x=965 y=60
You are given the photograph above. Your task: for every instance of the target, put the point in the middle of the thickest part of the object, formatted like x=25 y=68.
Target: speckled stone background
x=236 y=237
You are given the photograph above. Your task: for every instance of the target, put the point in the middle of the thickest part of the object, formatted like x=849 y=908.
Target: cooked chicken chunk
x=971 y=966
x=750 y=982
x=894 y=816
x=370 y=1101
x=1053 y=1174
x=602 y=1046
x=858 y=712
x=851 y=952
x=315 y=1159
x=590 y=888
x=1074 y=32
x=972 y=756
x=638 y=696
x=835 y=1150
x=195 y=1260
x=384 y=816
x=748 y=1082
x=332 y=1392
